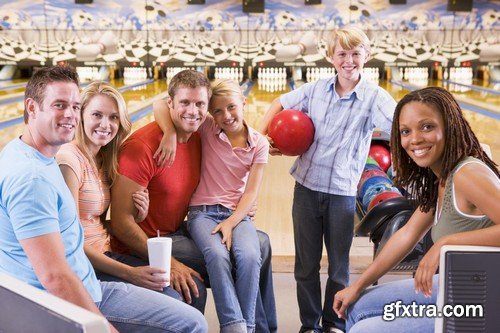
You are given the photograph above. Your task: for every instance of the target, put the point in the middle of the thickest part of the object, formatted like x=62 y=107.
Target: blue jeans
x=366 y=315
x=184 y=250
x=235 y=299
x=134 y=309
x=318 y=215
x=198 y=302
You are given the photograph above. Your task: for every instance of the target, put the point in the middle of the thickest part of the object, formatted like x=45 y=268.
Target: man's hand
x=226 y=229
x=181 y=279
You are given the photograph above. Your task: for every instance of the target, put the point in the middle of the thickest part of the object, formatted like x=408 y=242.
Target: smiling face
x=228 y=112
x=101 y=120
x=422 y=132
x=53 y=121
x=188 y=109
x=349 y=63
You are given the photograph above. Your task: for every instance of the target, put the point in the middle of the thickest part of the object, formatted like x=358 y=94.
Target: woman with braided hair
x=457 y=189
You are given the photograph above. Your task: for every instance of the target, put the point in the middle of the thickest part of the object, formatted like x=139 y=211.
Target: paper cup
x=159 y=253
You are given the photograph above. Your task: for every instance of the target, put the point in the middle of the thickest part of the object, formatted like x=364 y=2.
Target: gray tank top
x=452 y=220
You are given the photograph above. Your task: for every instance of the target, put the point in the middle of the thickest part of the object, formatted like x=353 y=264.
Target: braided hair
x=460 y=140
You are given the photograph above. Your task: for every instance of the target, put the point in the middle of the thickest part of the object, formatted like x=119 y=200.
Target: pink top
x=224 y=169
x=93 y=195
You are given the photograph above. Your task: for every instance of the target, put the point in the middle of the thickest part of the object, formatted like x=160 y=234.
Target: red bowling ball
x=382 y=155
x=292 y=132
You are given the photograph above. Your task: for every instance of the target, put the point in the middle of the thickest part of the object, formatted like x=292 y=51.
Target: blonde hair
x=226 y=87
x=348 y=38
x=109 y=153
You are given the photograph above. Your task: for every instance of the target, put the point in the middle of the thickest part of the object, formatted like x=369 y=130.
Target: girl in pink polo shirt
x=233 y=160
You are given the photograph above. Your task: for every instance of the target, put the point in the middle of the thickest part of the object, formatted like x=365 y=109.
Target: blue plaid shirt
x=343 y=129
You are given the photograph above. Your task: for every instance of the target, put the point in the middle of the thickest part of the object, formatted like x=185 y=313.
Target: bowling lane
x=11 y=110
x=142 y=93
x=133 y=98
x=9 y=84
x=148 y=92
x=274 y=201
x=470 y=95
x=5 y=91
x=486 y=84
x=259 y=99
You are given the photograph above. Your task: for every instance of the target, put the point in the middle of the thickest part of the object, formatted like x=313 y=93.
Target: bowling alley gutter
x=464 y=102
x=143 y=105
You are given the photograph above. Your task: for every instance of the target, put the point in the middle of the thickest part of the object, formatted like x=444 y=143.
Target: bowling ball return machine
x=382 y=219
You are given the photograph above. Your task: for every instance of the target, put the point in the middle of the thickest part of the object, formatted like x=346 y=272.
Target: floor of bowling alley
x=275 y=199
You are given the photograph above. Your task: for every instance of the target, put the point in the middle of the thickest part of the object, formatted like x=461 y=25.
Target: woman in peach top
x=89 y=166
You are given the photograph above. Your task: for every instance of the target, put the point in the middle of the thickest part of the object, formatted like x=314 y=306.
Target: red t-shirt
x=170 y=188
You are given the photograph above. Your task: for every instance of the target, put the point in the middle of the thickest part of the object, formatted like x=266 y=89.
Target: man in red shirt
x=170 y=189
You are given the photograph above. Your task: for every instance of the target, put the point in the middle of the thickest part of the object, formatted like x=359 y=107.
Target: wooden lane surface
x=274 y=203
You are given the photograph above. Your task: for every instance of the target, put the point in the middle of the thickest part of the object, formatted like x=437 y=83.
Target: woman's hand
x=343 y=299
x=141 y=202
x=426 y=270
x=165 y=154
x=148 y=277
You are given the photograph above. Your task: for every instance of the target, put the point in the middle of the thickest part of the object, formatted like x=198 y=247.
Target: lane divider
x=13 y=86
x=472 y=87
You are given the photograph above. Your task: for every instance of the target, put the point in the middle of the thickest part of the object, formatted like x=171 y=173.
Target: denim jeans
x=318 y=215
x=134 y=309
x=198 y=303
x=366 y=315
x=235 y=299
x=184 y=250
